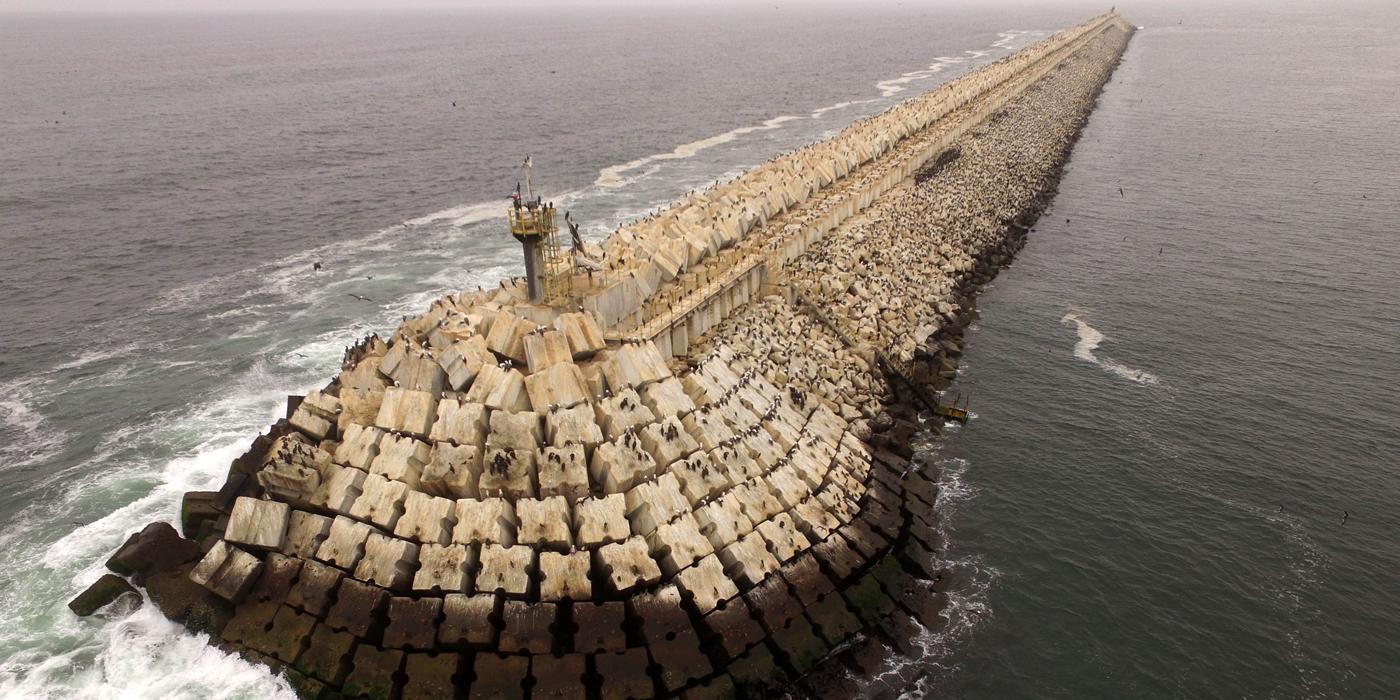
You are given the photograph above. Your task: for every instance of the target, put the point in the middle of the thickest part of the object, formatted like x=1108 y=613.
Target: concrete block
x=651 y=504
x=507 y=471
x=381 y=502
x=667 y=441
x=705 y=584
x=328 y=656
x=485 y=521
x=621 y=412
x=563 y=471
x=407 y=411
x=521 y=431
x=359 y=446
x=785 y=540
x=412 y=623
x=453 y=471
x=305 y=532
x=544 y=523
x=621 y=464
x=699 y=478
x=227 y=571
x=460 y=423
x=763 y=449
x=358 y=609
x=416 y=370
x=432 y=675
x=444 y=569
x=466 y=619
x=505 y=569
x=257 y=524
x=314 y=588
x=814 y=520
x=507 y=336
x=581 y=330
x=723 y=521
x=626 y=565
x=576 y=425
x=501 y=389
x=558 y=677
x=426 y=519
x=708 y=429
x=388 y=562
x=600 y=627
x=599 y=521
x=545 y=350
x=624 y=674
x=560 y=385
x=345 y=544
x=789 y=489
x=529 y=627
x=316 y=416
x=678 y=544
x=667 y=398
x=401 y=459
x=340 y=489
x=499 y=677
x=463 y=359
x=565 y=576
x=748 y=560
x=374 y=673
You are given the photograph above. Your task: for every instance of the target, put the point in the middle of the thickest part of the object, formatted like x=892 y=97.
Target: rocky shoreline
x=500 y=501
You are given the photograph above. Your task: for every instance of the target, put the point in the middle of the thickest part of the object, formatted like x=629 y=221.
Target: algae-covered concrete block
x=678 y=544
x=667 y=441
x=453 y=471
x=381 y=502
x=505 y=569
x=305 y=533
x=426 y=519
x=563 y=471
x=444 y=568
x=560 y=385
x=599 y=521
x=340 y=489
x=706 y=584
x=359 y=446
x=485 y=521
x=621 y=464
x=227 y=571
x=574 y=425
x=508 y=472
x=627 y=565
x=565 y=576
x=544 y=523
x=388 y=562
x=345 y=543
x=401 y=459
x=407 y=411
x=521 y=431
x=653 y=503
x=460 y=423
x=257 y=524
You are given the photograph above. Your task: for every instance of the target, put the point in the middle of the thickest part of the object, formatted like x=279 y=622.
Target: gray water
x=166 y=183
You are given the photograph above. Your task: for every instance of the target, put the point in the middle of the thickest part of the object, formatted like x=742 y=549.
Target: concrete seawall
x=695 y=481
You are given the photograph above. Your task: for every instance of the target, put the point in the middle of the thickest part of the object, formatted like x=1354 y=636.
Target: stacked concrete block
x=485 y=521
x=227 y=571
x=651 y=504
x=582 y=332
x=317 y=415
x=401 y=458
x=626 y=565
x=339 y=490
x=544 y=524
x=723 y=521
x=678 y=544
x=388 y=562
x=345 y=543
x=621 y=464
x=563 y=471
x=453 y=471
x=426 y=519
x=507 y=336
x=359 y=445
x=785 y=540
x=565 y=576
x=545 y=350
x=509 y=472
x=600 y=521
x=667 y=398
x=463 y=359
x=699 y=478
x=407 y=411
x=667 y=441
x=521 y=431
x=622 y=412
x=460 y=423
x=500 y=388
x=257 y=524
x=573 y=426
x=305 y=533
x=559 y=385
x=381 y=502
x=708 y=429
x=505 y=569
x=444 y=568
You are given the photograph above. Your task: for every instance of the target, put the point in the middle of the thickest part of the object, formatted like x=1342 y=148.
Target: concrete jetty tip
x=692 y=479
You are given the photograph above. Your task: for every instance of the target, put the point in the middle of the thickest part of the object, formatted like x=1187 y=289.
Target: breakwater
x=693 y=483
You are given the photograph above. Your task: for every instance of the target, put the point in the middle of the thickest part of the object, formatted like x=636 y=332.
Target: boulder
x=157 y=547
x=104 y=591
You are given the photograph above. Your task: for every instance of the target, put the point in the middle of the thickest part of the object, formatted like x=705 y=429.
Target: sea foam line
x=1089 y=340
x=611 y=177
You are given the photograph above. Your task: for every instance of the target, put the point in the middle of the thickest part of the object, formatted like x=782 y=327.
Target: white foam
x=28 y=438
x=1089 y=340
x=612 y=177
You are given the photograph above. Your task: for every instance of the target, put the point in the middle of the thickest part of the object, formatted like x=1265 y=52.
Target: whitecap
x=1090 y=339
x=611 y=177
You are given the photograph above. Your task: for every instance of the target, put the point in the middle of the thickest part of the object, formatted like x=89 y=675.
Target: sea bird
x=1345 y=516
x=361 y=298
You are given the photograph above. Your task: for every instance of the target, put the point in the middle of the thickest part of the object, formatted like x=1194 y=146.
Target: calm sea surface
x=1157 y=374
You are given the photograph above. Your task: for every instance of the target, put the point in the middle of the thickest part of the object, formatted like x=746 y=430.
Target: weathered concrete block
x=621 y=412
x=659 y=613
x=426 y=519
x=667 y=398
x=345 y=544
x=257 y=524
x=328 y=656
x=104 y=591
x=157 y=547
x=407 y=411
x=467 y=620
x=431 y=675
x=667 y=441
x=412 y=623
x=374 y=673
x=581 y=330
x=544 y=524
x=557 y=677
x=626 y=565
x=678 y=544
x=359 y=446
x=748 y=560
x=708 y=429
x=314 y=587
x=508 y=471
x=499 y=677
x=699 y=478
x=563 y=471
x=463 y=359
x=545 y=350
x=358 y=609
x=763 y=448
x=757 y=500
x=723 y=521
x=814 y=520
x=485 y=521
x=505 y=569
x=520 y=431
x=565 y=576
x=558 y=386
x=600 y=521
x=444 y=568
x=575 y=425
x=460 y=423
x=388 y=562
x=381 y=502
x=507 y=336
x=528 y=627
x=599 y=627
x=651 y=504
x=624 y=674
x=621 y=464
x=340 y=489
x=787 y=486
x=401 y=459
x=279 y=573
x=500 y=389
x=227 y=571
x=784 y=540
x=453 y=471
x=706 y=584
x=317 y=415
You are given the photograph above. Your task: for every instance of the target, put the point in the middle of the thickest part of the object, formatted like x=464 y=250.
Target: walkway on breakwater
x=676 y=483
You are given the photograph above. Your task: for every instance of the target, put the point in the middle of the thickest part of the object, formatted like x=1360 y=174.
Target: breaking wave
x=1089 y=340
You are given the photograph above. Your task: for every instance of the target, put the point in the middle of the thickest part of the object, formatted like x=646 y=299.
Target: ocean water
x=169 y=181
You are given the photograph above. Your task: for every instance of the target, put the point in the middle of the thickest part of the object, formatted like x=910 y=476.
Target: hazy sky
x=282 y=5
